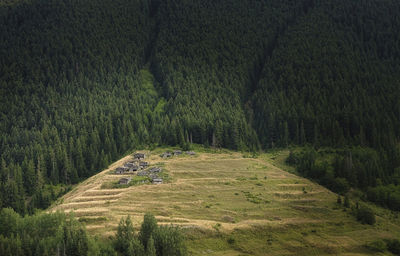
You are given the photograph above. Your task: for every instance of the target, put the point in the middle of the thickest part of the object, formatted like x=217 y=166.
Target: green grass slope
x=231 y=204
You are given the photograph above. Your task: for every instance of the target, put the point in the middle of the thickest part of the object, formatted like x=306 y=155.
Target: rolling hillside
x=229 y=204
x=84 y=83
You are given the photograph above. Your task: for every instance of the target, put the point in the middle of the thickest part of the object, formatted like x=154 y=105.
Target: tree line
x=60 y=234
x=368 y=170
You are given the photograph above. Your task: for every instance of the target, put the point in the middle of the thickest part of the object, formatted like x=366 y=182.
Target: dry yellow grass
x=217 y=195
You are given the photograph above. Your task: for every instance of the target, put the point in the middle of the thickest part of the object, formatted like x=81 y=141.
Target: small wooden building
x=166 y=154
x=125 y=181
x=157 y=181
x=143 y=164
x=134 y=168
x=155 y=170
x=153 y=176
x=129 y=164
x=142 y=173
x=121 y=170
x=177 y=152
x=139 y=156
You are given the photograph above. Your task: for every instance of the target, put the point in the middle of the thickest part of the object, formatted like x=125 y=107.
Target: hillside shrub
x=365 y=215
x=377 y=246
x=394 y=246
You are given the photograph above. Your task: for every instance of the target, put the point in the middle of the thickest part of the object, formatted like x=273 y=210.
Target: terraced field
x=231 y=205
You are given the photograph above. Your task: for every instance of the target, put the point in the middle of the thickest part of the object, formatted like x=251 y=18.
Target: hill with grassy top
x=230 y=203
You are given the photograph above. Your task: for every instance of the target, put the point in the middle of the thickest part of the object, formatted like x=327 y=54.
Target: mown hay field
x=228 y=204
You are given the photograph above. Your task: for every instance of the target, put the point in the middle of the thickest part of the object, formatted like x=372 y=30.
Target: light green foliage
x=168 y=240
x=149 y=226
x=43 y=234
x=377 y=246
x=150 y=248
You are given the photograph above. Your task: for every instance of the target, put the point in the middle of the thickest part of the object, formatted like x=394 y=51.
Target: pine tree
x=346 y=201
x=316 y=136
x=214 y=140
x=302 y=134
x=339 y=199
x=149 y=226
x=4 y=174
x=39 y=173
x=219 y=134
x=285 y=134
x=29 y=176
x=53 y=168
x=150 y=248
x=20 y=203
x=362 y=136
x=125 y=235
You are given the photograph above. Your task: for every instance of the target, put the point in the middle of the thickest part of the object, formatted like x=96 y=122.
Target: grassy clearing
x=232 y=204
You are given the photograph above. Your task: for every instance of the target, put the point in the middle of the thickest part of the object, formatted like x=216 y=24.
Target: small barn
x=157 y=181
x=155 y=170
x=139 y=156
x=177 y=152
x=129 y=164
x=125 y=181
x=121 y=170
x=153 y=176
x=142 y=173
x=134 y=168
x=166 y=154
x=143 y=164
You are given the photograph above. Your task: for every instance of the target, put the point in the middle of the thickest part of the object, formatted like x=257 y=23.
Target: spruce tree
x=149 y=226
x=346 y=201
x=150 y=248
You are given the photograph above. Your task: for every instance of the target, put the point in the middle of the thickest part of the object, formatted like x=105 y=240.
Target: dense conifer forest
x=83 y=82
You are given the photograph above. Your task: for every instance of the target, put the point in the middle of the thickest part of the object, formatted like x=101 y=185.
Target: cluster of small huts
x=138 y=166
x=176 y=153
x=133 y=166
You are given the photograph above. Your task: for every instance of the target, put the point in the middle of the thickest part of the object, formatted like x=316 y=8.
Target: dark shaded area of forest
x=83 y=82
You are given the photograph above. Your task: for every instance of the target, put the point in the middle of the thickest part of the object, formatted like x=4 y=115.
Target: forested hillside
x=83 y=82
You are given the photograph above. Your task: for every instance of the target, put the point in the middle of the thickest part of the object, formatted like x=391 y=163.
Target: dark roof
x=134 y=168
x=155 y=169
x=129 y=164
x=153 y=176
x=166 y=154
x=125 y=180
x=139 y=155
